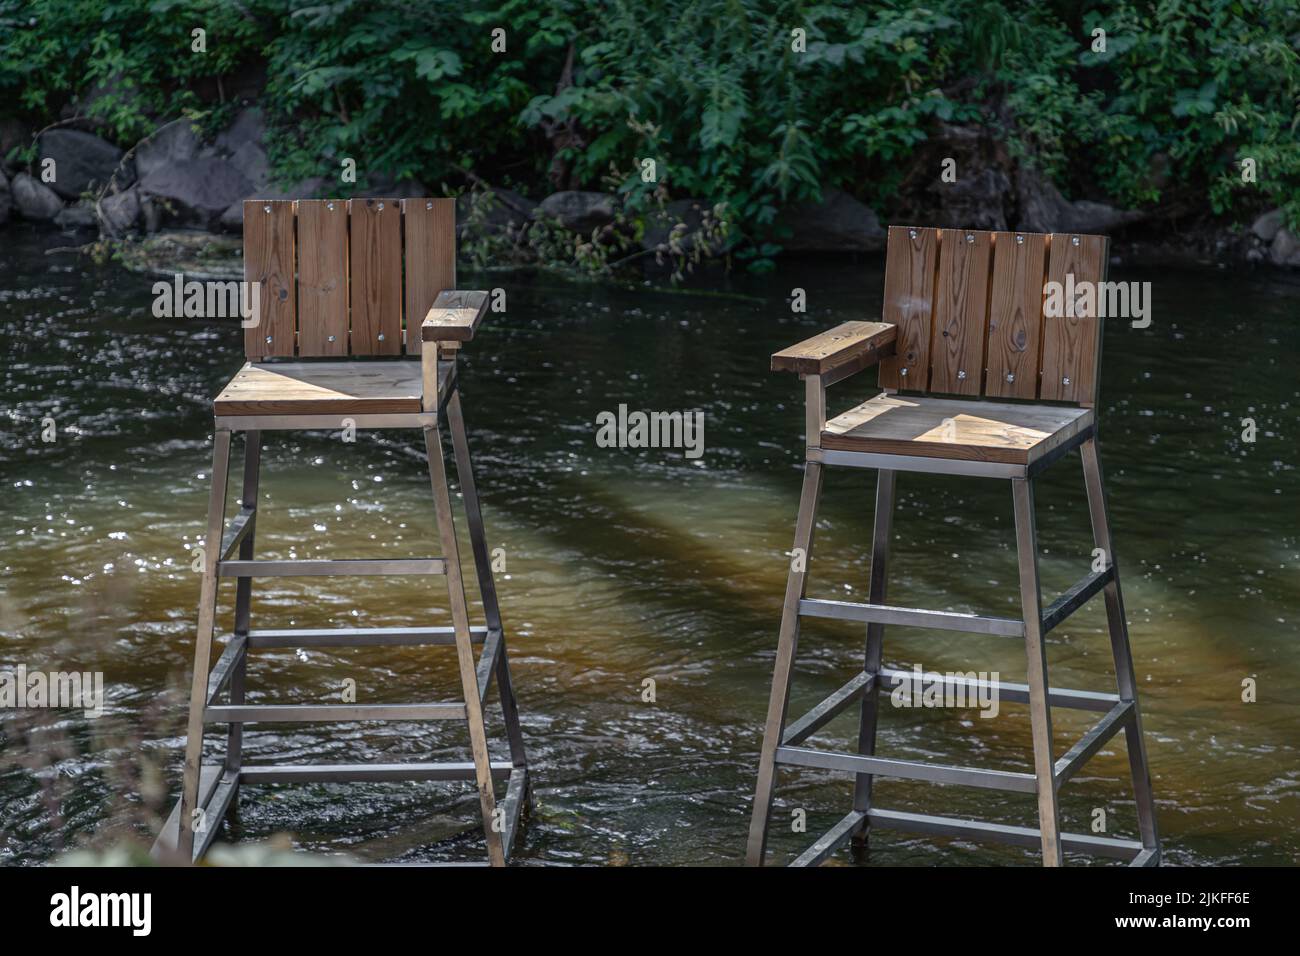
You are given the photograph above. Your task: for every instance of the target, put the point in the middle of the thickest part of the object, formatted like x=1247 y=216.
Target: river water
x=624 y=565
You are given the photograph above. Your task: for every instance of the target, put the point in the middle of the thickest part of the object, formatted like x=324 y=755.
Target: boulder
x=79 y=215
x=385 y=187
x=493 y=211
x=979 y=195
x=120 y=212
x=251 y=161
x=195 y=192
x=6 y=198
x=1266 y=226
x=1285 y=250
x=578 y=211
x=35 y=200
x=1044 y=209
x=232 y=218
x=839 y=223
x=174 y=142
x=82 y=161
x=248 y=127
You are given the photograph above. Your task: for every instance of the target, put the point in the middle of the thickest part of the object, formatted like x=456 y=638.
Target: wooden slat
x=430 y=226
x=268 y=260
x=1015 y=314
x=961 y=303
x=375 y=257
x=323 y=388
x=911 y=256
x=454 y=316
x=322 y=277
x=831 y=349
x=1072 y=345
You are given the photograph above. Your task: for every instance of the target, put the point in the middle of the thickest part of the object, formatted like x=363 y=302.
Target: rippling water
x=624 y=565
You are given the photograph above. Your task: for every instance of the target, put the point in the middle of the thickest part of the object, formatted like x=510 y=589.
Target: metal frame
x=209 y=789
x=1119 y=710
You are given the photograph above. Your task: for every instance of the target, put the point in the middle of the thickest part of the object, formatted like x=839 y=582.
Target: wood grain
x=268 y=261
x=322 y=277
x=454 y=316
x=430 y=231
x=375 y=257
x=830 y=350
x=961 y=302
x=323 y=388
x=1072 y=344
x=910 y=262
x=1015 y=315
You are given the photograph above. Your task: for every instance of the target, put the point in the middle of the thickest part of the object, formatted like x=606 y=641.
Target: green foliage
x=713 y=91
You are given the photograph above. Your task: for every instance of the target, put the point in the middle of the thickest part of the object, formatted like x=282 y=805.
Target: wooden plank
x=954 y=428
x=430 y=226
x=1072 y=344
x=960 y=307
x=375 y=257
x=268 y=261
x=829 y=350
x=323 y=388
x=1015 y=314
x=454 y=316
x=322 y=277
x=911 y=257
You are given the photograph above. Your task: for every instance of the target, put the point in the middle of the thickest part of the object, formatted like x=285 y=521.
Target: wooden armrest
x=454 y=316
x=843 y=344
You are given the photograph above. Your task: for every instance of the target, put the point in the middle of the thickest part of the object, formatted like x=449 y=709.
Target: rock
x=248 y=127
x=174 y=142
x=385 y=187
x=979 y=195
x=80 y=215
x=82 y=161
x=1267 y=225
x=120 y=212
x=250 y=159
x=35 y=200
x=232 y=218
x=1285 y=250
x=578 y=211
x=1044 y=209
x=493 y=211
x=195 y=192
x=839 y=223
x=6 y=198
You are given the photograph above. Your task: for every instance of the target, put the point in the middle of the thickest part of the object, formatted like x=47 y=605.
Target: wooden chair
x=963 y=316
x=336 y=278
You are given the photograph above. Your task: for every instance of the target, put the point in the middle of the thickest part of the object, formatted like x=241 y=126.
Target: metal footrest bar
x=512 y=808
x=1001 y=833
x=230 y=659
x=832 y=840
x=318 y=567
x=907 y=769
x=910 y=617
x=359 y=636
x=1016 y=693
x=364 y=772
x=487 y=663
x=1076 y=597
x=237 y=531
x=1074 y=758
x=827 y=710
x=304 y=713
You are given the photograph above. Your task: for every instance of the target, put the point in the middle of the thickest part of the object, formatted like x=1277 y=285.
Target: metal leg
x=1119 y=645
x=203 y=645
x=483 y=568
x=244 y=594
x=880 y=541
x=1040 y=713
x=787 y=643
x=464 y=647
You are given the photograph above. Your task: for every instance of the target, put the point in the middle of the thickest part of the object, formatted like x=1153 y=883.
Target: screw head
x=970 y=237
x=1065 y=381
x=1074 y=240
x=329 y=206
x=903 y=372
x=428 y=204
x=961 y=375
x=266 y=208
x=331 y=338
x=381 y=336
x=381 y=207
x=268 y=340
x=911 y=233
x=1011 y=376
x=1020 y=240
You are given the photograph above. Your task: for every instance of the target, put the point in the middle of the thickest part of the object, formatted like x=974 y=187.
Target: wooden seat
x=327 y=388
x=952 y=428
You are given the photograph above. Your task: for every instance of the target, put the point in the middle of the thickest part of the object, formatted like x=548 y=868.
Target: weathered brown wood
x=375 y=256
x=430 y=226
x=1015 y=315
x=1072 y=344
x=454 y=316
x=961 y=303
x=322 y=277
x=268 y=261
x=911 y=258
x=323 y=388
x=954 y=428
x=830 y=350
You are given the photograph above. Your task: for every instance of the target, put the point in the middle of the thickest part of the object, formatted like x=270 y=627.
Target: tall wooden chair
x=337 y=278
x=963 y=317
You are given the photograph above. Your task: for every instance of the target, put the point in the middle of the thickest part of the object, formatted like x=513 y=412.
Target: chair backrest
x=969 y=307
x=345 y=276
